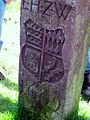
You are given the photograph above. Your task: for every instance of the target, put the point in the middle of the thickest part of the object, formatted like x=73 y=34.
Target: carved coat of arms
x=42 y=52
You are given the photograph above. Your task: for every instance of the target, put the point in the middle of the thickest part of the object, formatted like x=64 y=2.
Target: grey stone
x=52 y=43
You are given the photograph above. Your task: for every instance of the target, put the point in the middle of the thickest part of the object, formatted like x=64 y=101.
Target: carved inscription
x=48 y=8
x=42 y=52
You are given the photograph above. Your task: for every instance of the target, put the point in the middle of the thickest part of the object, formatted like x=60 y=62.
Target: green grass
x=8 y=99
x=9 y=66
x=9 y=58
x=84 y=110
x=9 y=104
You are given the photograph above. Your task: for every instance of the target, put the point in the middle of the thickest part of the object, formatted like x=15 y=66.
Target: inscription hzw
x=42 y=52
x=48 y=8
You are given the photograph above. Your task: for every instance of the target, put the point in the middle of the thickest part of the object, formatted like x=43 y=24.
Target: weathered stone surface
x=52 y=46
x=88 y=9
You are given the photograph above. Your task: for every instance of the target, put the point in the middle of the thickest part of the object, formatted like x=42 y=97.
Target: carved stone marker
x=89 y=10
x=52 y=46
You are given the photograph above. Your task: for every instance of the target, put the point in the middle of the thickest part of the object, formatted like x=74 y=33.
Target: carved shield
x=42 y=52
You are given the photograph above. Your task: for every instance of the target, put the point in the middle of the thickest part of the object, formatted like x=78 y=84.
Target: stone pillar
x=89 y=10
x=52 y=55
